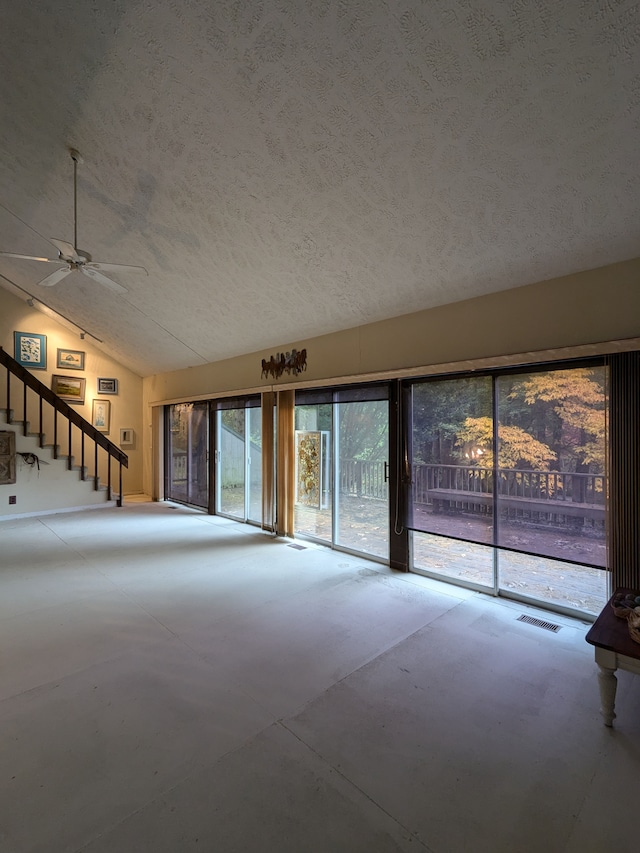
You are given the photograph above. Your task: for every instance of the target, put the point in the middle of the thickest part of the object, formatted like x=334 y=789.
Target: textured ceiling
x=287 y=169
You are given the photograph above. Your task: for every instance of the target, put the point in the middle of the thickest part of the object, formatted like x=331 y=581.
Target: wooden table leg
x=608 y=683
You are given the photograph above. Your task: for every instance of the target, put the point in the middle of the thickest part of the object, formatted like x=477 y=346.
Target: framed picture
x=107 y=386
x=70 y=359
x=69 y=388
x=30 y=350
x=101 y=415
x=127 y=437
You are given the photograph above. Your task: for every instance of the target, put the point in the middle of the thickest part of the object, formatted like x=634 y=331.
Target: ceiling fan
x=72 y=256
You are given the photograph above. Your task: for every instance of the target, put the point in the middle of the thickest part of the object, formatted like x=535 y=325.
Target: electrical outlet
x=12 y=499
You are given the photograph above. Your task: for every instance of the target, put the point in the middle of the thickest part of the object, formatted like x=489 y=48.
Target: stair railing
x=73 y=418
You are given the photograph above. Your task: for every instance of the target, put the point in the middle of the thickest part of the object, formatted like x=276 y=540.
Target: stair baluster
x=24 y=410
x=61 y=407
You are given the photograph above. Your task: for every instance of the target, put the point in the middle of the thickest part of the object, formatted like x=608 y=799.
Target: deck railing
x=63 y=435
x=364 y=479
x=558 y=497
x=519 y=492
x=470 y=488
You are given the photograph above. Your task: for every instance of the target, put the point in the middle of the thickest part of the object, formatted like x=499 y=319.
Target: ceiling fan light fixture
x=74 y=259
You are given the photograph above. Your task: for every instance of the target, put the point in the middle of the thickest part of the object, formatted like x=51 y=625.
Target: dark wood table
x=614 y=650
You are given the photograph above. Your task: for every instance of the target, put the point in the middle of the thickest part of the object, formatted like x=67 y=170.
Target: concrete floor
x=174 y=682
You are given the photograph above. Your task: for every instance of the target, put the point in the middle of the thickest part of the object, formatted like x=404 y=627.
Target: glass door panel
x=451 y=423
x=187 y=454
x=452 y=478
x=552 y=485
x=576 y=587
x=254 y=464
x=362 y=493
x=451 y=430
x=341 y=453
x=461 y=561
x=314 y=491
x=231 y=469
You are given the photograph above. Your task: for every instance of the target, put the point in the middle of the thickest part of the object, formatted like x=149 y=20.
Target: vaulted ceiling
x=287 y=169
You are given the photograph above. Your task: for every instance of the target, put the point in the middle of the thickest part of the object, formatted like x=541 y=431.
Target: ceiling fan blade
x=115 y=267
x=67 y=251
x=97 y=276
x=31 y=258
x=55 y=277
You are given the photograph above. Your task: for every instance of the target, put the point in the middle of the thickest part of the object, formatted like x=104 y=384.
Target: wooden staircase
x=73 y=436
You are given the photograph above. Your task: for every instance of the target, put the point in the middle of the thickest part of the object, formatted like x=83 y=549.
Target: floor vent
x=539 y=623
x=298 y=547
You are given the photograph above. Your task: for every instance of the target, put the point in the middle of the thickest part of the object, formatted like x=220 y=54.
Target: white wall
x=47 y=487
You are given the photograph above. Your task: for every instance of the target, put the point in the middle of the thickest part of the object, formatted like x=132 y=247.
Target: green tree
x=364 y=431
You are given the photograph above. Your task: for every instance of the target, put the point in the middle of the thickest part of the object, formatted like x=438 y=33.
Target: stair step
x=56 y=454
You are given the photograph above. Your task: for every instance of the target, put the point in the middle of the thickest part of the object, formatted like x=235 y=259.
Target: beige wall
x=126 y=410
x=592 y=307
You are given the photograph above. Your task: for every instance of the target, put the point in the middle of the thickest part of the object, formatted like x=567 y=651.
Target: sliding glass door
x=253 y=445
x=508 y=482
x=552 y=485
x=238 y=474
x=341 y=457
x=361 y=510
x=451 y=501
x=231 y=459
x=313 y=511
x=187 y=442
x=235 y=469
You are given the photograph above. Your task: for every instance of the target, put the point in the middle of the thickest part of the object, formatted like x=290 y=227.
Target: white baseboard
x=37 y=513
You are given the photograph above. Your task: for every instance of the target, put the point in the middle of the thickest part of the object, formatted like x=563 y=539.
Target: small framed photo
x=101 y=415
x=69 y=388
x=30 y=350
x=70 y=359
x=127 y=437
x=107 y=386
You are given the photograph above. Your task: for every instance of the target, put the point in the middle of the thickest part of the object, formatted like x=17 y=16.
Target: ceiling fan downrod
x=77 y=158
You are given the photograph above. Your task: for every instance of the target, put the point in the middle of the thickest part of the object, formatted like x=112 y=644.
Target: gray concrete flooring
x=174 y=682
